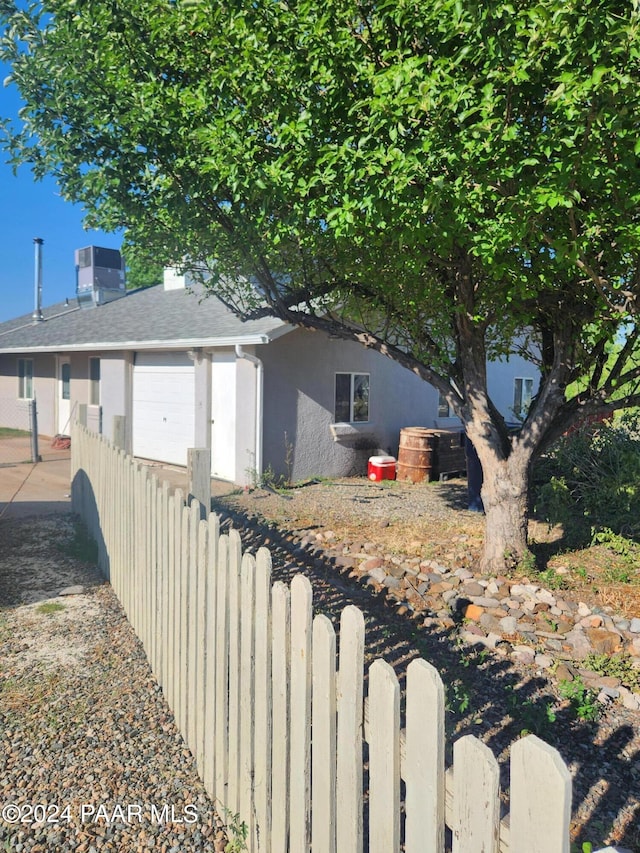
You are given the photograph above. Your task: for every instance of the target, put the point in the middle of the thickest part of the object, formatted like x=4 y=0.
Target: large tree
x=441 y=181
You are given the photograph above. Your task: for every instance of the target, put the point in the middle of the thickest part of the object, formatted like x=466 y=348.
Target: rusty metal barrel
x=416 y=456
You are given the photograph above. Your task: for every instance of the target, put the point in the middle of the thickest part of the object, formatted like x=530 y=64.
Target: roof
x=149 y=318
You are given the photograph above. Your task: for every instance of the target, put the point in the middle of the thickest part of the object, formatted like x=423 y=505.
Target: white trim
x=257 y=363
x=354 y=430
x=184 y=344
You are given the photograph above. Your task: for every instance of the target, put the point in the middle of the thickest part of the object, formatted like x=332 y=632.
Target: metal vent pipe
x=37 y=311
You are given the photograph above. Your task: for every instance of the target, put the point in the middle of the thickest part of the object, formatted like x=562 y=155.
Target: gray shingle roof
x=142 y=319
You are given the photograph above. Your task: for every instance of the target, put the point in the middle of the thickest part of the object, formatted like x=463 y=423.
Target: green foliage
x=442 y=182
x=551 y=579
x=48 y=608
x=236 y=831
x=582 y=700
x=142 y=268
x=617 y=666
x=591 y=482
x=9 y=432
x=532 y=717
x=268 y=479
x=458 y=697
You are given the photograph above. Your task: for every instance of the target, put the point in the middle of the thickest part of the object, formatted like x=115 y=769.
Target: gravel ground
x=83 y=722
x=90 y=758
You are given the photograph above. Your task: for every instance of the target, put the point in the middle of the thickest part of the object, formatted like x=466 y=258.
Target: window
x=25 y=378
x=352 y=397
x=522 y=396
x=443 y=407
x=94 y=381
x=65 y=377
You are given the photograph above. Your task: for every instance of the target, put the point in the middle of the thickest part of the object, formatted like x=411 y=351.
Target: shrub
x=590 y=481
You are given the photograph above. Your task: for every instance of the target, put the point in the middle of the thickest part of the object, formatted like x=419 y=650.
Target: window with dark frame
x=65 y=376
x=352 y=398
x=25 y=378
x=94 y=381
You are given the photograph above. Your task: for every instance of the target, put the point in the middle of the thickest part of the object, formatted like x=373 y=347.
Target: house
x=183 y=371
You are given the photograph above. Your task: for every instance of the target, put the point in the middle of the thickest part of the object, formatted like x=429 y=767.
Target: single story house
x=185 y=372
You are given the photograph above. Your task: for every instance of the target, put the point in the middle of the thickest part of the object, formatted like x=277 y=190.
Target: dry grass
x=595 y=574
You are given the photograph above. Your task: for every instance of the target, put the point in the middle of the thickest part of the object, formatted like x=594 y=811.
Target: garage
x=163 y=406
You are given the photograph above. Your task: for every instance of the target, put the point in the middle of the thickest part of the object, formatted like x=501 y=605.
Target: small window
x=65 y=377
x=94 y=381
x=25 y=378
x=522 y=396
x=444 y=410
x=352 y=398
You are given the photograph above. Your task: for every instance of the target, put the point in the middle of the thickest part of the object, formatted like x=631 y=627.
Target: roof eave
x=177 y=344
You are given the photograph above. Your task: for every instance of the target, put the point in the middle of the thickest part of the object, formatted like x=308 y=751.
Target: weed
x=617 y=666
x=236 y=831
x=619 y=574
x=527 y=563
x=531 y=717
x=553 y=625
x=48 y=608
x=582 y=700
x=458 y=698
x=591 y=481
x=615 y=542
x=9 y=432
x=268 y=479
x=471 y=654
x=551 y=579
x=524 y=563
x=288 y=457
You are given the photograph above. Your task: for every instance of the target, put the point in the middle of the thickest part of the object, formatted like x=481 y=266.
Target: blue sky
x=31 y=209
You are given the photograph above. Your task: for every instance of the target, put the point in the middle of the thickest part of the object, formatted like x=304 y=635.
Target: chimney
x=37 y=310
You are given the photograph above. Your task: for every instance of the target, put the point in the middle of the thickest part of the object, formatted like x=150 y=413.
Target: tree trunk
x=505 y=495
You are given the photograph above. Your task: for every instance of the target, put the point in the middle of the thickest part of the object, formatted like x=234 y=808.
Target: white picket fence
x=277 y=727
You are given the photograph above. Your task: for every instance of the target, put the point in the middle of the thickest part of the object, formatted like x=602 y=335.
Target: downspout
x=240 y=353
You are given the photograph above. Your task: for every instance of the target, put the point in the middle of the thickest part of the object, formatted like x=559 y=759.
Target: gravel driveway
x=90 y=758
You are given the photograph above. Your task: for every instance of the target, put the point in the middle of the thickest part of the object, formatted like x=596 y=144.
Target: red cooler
x=381 y=468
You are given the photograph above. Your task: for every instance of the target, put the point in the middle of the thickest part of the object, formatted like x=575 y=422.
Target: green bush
x=590 y=481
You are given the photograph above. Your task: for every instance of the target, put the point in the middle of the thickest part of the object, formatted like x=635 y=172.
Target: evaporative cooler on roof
x=99 y=275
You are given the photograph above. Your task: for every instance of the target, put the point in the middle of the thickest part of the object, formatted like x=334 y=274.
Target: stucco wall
x=299 y=398
x=202 y=390
x=14 y=412
x=500 y=380
x=115 y=388
x=247 y=376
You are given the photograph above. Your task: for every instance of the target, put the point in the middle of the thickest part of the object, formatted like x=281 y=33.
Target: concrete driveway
x=27 y=489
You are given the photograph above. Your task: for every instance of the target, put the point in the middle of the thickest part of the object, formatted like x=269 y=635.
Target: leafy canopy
x=444 y=176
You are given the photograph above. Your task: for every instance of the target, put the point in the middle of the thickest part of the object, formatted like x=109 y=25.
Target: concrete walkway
x=41 y=489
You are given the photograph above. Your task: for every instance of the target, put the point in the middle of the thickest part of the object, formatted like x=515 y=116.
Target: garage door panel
x=163 y=407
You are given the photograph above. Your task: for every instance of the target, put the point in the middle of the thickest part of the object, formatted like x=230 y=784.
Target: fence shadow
x=84 y=496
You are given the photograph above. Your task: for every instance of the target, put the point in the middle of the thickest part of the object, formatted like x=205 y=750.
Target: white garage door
x=163 y=407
